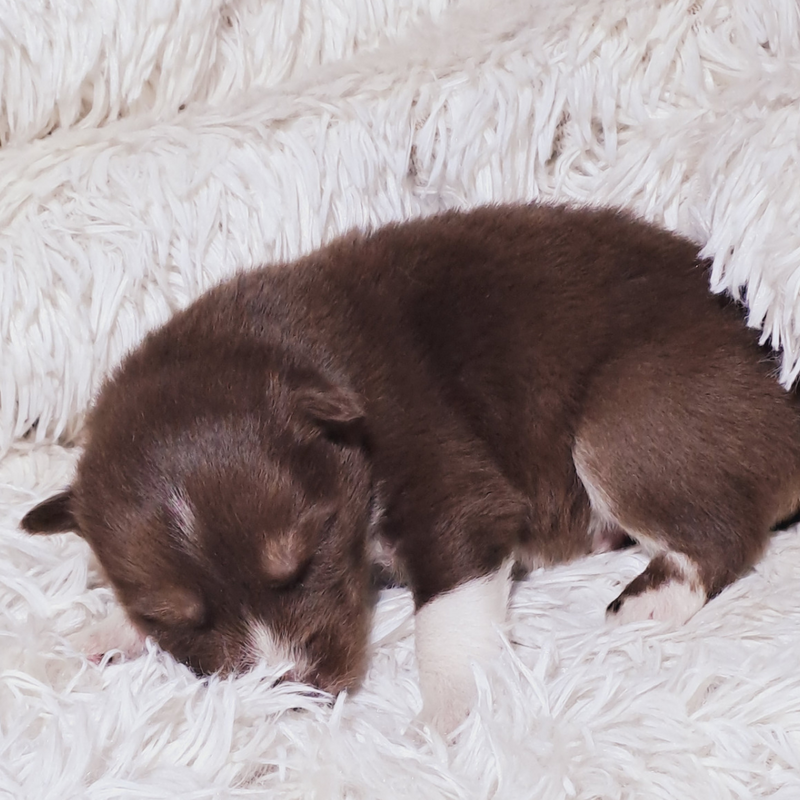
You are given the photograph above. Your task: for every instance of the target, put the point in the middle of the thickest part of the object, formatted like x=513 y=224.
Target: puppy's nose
x=198 y=671
x=203 y=668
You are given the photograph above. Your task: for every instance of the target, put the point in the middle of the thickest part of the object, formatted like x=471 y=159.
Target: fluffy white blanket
x=150 y=148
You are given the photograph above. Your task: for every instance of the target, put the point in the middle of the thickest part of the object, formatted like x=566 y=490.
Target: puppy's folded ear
x=338 y=411
x=53 y=515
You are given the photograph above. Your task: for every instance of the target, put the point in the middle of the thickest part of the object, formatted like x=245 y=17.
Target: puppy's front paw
x=114 y=633
x=447 y=699
x=453 y=631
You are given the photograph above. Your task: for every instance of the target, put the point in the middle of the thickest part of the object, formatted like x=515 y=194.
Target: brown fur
x=434 y=383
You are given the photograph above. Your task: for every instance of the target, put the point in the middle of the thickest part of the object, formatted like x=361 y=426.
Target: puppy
x=455 y=394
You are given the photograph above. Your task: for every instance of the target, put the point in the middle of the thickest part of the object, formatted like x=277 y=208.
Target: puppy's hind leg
x=698 y=545
x=692 y=470
x=454 y=630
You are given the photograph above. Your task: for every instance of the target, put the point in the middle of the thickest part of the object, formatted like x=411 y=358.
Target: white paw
x=673 y=603
x=453 y=631
x=113 y=633
x=447 y=700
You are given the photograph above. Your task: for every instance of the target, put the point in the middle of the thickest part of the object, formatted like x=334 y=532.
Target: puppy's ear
x=338 y=411
x=54 y=515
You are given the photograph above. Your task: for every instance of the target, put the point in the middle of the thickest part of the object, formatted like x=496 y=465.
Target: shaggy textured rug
x=149 y=149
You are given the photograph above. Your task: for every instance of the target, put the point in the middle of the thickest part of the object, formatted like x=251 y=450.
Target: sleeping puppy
x=451 y=396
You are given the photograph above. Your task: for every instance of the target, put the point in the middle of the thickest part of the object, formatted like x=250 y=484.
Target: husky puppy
x=513 y=384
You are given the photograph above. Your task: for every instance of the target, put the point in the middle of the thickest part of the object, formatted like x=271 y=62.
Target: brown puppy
x=512 y=383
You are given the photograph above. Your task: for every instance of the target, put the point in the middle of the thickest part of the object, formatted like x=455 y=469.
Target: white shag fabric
x=148 y=149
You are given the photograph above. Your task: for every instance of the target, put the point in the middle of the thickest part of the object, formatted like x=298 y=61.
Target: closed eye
x=151 y=622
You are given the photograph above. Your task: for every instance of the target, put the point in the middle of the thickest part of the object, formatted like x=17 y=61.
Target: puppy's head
x=227 y=499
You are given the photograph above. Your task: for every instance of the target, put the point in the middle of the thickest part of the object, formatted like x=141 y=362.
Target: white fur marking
x=452 y=631
x=263 y=645
x=673 y=603
x=688 y=569
x=181 y=508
